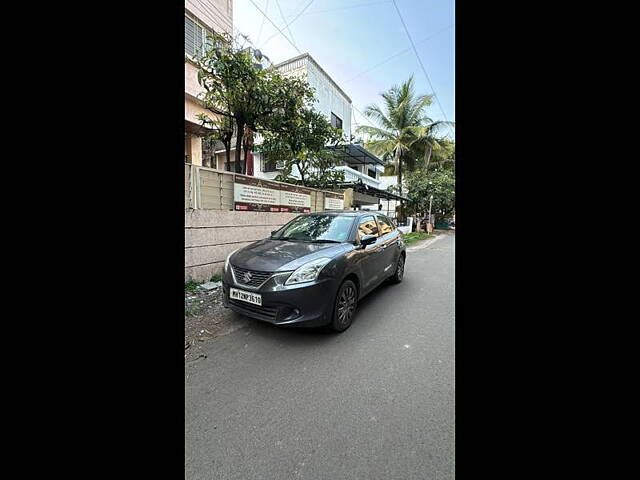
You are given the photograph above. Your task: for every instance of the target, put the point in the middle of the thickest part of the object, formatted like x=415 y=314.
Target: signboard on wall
x=295 y=199
x=333 y=201
x=251 y=194
x=255 y=195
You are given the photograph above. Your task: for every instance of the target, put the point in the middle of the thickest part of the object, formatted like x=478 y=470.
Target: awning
x=355 y=154
x=374 y=192
x=195 y=129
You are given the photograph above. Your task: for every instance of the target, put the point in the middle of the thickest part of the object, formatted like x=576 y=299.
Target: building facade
x=336 y=106
x=201 y=17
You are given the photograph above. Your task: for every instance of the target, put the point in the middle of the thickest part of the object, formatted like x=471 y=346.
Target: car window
x=367 y=226
x=317 y=227
x=385 y=225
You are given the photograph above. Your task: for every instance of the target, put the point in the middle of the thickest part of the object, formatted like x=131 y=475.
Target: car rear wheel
x=399 y=274
x=345 y=306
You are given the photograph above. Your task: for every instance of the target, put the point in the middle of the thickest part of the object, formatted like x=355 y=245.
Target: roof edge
x=317 y=65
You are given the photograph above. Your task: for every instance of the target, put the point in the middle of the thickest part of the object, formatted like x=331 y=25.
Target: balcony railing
x=352 y=175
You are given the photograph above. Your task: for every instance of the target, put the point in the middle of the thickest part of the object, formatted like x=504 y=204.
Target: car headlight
x=226 y=262
x=307 y=272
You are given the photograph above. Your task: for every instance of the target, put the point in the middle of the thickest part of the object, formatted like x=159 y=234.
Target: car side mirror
x=367 y=240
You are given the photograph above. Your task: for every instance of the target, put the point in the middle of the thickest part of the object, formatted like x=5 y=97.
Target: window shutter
x=199 y=42
x=189 y=36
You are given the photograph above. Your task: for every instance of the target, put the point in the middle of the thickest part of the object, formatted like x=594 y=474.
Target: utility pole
x=430 y=227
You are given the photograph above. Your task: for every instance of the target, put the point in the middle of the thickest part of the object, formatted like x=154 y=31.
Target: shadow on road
x=316 y=335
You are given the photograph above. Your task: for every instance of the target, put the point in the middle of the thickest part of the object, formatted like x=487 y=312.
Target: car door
x=368 y=257
x=389 y=245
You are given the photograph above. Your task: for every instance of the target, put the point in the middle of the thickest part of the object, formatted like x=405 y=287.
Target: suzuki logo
x=247 y=277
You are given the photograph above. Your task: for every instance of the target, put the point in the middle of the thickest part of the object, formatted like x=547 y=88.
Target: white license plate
x=248 y=297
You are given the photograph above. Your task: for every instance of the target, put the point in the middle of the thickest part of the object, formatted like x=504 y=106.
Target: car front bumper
x=308 y=305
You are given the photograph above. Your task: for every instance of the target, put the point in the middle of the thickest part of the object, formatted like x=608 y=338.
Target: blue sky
x=348 y=38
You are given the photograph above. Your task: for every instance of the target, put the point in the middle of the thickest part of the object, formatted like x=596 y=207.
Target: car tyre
x=344 y=308
x=399 y=273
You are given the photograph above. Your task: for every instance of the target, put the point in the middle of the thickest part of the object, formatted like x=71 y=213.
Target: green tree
x=445 y=156
x=301 y=140
x=427 y=143
x=440 y=183
x=400 y=117
x=251 y=98
x=222 y=131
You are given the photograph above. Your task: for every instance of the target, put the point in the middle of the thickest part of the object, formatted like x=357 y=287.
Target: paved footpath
x=375 y=402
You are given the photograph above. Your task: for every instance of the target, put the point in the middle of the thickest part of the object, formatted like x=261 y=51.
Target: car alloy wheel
x=397 y=277
x=345 y=307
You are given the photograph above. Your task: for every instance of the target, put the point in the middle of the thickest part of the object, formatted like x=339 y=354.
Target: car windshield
x=316 y=228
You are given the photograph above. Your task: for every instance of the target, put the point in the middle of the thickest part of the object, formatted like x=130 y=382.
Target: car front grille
x=255 y=311
x=256 y=278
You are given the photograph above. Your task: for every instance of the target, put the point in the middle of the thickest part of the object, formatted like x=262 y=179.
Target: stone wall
x=210 y=235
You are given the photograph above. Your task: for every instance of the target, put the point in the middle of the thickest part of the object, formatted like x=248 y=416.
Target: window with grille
x=195 y=37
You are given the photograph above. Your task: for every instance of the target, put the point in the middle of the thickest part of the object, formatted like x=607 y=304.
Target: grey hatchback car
x=315 y=269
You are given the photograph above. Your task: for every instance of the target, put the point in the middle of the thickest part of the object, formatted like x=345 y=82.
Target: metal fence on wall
x=211 y=189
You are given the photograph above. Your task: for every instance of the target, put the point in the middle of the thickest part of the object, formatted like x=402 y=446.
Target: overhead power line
x=424 y=70
x=276 y=27
x=294 y=46
x=214 y=15
x=285 y=21
x=398 y=53
x=363 y=116
x=288 y=24
x=345 y=8
x=262 y=24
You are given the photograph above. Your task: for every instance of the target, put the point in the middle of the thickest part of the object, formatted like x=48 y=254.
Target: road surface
x=375 y=402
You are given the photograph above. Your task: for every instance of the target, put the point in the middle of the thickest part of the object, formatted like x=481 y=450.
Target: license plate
x=248 y=297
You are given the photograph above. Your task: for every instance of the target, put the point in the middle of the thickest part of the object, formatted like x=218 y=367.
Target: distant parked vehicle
x=315 y=269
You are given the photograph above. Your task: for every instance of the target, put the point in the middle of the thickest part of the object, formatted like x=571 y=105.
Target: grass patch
x=216 y=278
x=191 y=286
x=413 y=237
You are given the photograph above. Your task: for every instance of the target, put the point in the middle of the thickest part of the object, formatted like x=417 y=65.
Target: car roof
x=349 y=213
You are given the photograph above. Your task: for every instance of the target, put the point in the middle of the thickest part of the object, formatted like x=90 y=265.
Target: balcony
x=352 y=175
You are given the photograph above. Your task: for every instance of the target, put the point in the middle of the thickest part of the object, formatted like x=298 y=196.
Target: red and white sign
x=333 y=201
x=256 y=195
x=295 y=199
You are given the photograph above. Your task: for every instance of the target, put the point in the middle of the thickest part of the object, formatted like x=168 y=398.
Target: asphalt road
x=375 y=402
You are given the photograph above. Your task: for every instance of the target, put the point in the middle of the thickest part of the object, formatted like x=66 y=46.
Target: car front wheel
x=399 y=274
x=345 y=306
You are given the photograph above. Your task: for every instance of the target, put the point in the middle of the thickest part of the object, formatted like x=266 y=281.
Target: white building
x=335 y=104
x=330 y=98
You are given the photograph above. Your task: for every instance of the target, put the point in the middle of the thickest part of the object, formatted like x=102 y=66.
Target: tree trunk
x=227 y=150
x=239 y=130
x=398 y=167
x=245 y=149
x=398 y=162
x=301 y=173
x=427 y=155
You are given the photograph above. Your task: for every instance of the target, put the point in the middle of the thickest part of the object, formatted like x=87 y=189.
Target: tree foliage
x=406 y=136
x=239 y=90
x=246 y=100
x=223 y=129
x=300 y=141
x=440 y=183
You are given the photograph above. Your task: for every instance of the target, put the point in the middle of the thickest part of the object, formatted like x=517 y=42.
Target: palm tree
x=427 y=142
x=403 y=113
